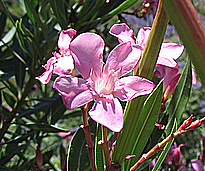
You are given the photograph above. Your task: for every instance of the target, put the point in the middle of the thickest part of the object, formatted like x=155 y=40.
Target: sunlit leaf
x=77 y=154
x=180 y=97
x=146 y=124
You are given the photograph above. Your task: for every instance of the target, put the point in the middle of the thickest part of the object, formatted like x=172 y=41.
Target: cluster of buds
x=187 y=125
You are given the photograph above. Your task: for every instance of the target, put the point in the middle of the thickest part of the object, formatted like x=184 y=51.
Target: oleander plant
x=102 y=85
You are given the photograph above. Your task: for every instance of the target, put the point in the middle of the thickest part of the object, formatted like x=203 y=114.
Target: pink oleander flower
x=174 y=157
x=102 y=82
x=171 y=77
x=169 y=51
x=61 y=63
x=197 y=165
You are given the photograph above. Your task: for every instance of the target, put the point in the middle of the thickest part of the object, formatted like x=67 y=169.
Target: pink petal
x=171 y=87
x=130 y=87
x=124 y=58
x=167 y=73
x=87 y=50
x=143 y=36
x=65 y=38
x=171 y=50
x=166 y=62
x=122 y=32
x=74 y=91
x=194 y=80
x=64 y=65
x=108 y=112
x=196 y=165
x=46 y=76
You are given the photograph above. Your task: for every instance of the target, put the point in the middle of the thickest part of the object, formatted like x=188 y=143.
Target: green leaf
x=180 y=97
x=10 y=100
x=59 y=12
x=77 y=153
x=19 y=66
x=108 y=12
x=191 y=30
x=35 y=109
x=8 y=36
x=146 y=124
x=12 y=153
x=98 y=150
x=57 y=112
x=6 y=168
x=166 y=149
x=3 y=18
x=29 y=11
x=7 y=12
x=45 y=127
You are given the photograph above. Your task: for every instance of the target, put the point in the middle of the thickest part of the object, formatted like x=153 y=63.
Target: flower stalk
x=186 y=126
x=105 y=147
x=86 y=129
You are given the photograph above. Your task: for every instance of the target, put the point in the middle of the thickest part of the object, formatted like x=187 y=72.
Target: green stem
x=105 y=147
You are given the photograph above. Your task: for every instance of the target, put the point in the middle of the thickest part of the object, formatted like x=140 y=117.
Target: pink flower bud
x=186 y=123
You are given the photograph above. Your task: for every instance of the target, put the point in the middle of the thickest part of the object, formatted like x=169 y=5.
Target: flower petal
x=196 y=165
x=87 y=50
x=166 y=62
x=171 y=50
x=171 y=87
x=46 y=76
x=124 y=57
x=108 y=112
x=65 y=38
x=122 y=32
x=143 y=36
x=168 y=73
x=130 y=87
x=74 y=91
x=64 y=65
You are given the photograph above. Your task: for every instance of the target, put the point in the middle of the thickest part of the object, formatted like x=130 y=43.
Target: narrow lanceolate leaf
x=77 y=153
x=30 y=14
x=147 y=119
x=3 y=18
x=180 y=97
x=191 y=31
x=59 y=11
x=16 y=150
x=19 y=67
x=98 y=150
x=45 y=127
x=119 y=8
x=165 y=150
x=9 y=99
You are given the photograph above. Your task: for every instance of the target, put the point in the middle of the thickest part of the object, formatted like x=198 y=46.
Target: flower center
x=104 y=84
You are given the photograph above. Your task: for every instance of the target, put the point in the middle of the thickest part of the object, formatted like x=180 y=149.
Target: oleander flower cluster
x=104 y=83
